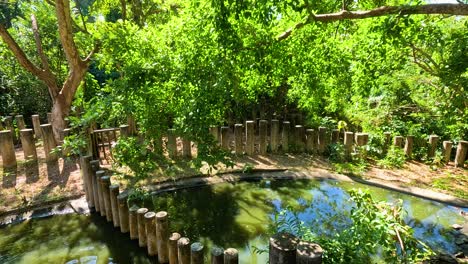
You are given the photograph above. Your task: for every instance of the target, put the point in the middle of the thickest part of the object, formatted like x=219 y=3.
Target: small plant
x=395 y=158
x=248 y=167
x=129 y=152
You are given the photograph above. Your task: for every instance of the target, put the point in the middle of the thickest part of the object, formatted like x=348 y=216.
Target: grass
x=453 y=183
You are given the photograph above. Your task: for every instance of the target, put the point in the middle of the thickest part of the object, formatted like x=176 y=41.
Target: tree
x=62 y=92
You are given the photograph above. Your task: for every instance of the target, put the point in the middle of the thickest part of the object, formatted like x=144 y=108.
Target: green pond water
x=229 y=215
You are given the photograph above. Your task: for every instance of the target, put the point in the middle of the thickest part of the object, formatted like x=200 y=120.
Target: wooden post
x=348 y=142
x=225 y=137
x=197 y=255
x=49 y=118
x=398 y=141
x=335 y=136
x=299 y=138
x=133 y=222
x=447 y=150
x=171 y=143
x=27 y=142
x=85 y=175
x=433 y=139
x=7 y=149
x=186 y=148
x=312 y=140
x=162 y=234
x=49 y=142
x=36 y=125
x=283 y=248
x=150 y=227
x=231 y=256
x=409 y=146
x=141 y=226
x=249 y=137
x=462 y=149
x=102 y=205
x=114 y=192
x=9 y=126
x=20 y=122
x=183 y=249
x=105 y=184
x=124 y=131
x=123 y=212
x=308 y=253
x=274 y=135
x=387 y=138
x=214 y=131
x=322 y=139
x=94 y=165
x=217 y=255
x=131 y=125
x=238 y=138
x=173 y=258
x=285 y=136
x=263 y=144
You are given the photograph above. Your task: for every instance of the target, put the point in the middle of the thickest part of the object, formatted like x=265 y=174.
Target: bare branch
x=429 y=9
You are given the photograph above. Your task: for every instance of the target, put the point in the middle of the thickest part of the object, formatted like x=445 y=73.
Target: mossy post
x=249 y=137
x=123 y=212
x=447 y=150
x=183 y=250
x=20 y=122
x=172 y=248
x=335 y=136
x=409 y=146
x=308 y=253
x=433 y=139
x=162 y=234
x=238 y=139
x=102 y=205
x=49 y=143
x=124 y=131
x=322 y=139
x=285 y=136
x=105 y=184
x=299 y=141
x=214 y=131
x=225 y=137
x=27 y=142
x=282 y=248
x=85 y=163
x=141 y=226
x=150 y=227
x=133 y=222
x=94 y=164
x=7 y=149
x=231 y=256
x=186 y=148
x=114 y=192
x=36 y=121
x=217 y=255
x=348 y=142
x=274 y=135
x=460 y=157
x=263 y=144
x=197 y=255
x=171 y=143
x=398 y=141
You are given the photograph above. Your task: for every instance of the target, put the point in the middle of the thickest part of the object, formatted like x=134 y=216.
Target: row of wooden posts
x=151 y=229
x=7 y=124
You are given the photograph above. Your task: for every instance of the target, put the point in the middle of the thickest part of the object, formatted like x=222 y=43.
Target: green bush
x=136 y=155
x=395 y=158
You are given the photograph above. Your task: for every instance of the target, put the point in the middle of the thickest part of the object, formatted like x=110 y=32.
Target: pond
x=229 y=215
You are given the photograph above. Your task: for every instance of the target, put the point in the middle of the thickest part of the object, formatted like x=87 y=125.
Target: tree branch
x=429 y=9
x=37 y=38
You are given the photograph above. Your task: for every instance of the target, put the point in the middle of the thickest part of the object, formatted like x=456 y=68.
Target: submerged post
x=27 y=142
x=183 y=249
x=7 y=149
x=162 y=233
x=447 y=150
x=462 y=149
x=197 y=255
x=263 y=144
x=283 y=248
x=123 y=212
x=285 y=136
x=238 y=138
x=36 y=125
x=114 y=192
x=150 y=227
x=249 y=137
x=141 y=226
x=308 y=253
x=172 y=248
x=231 y=256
